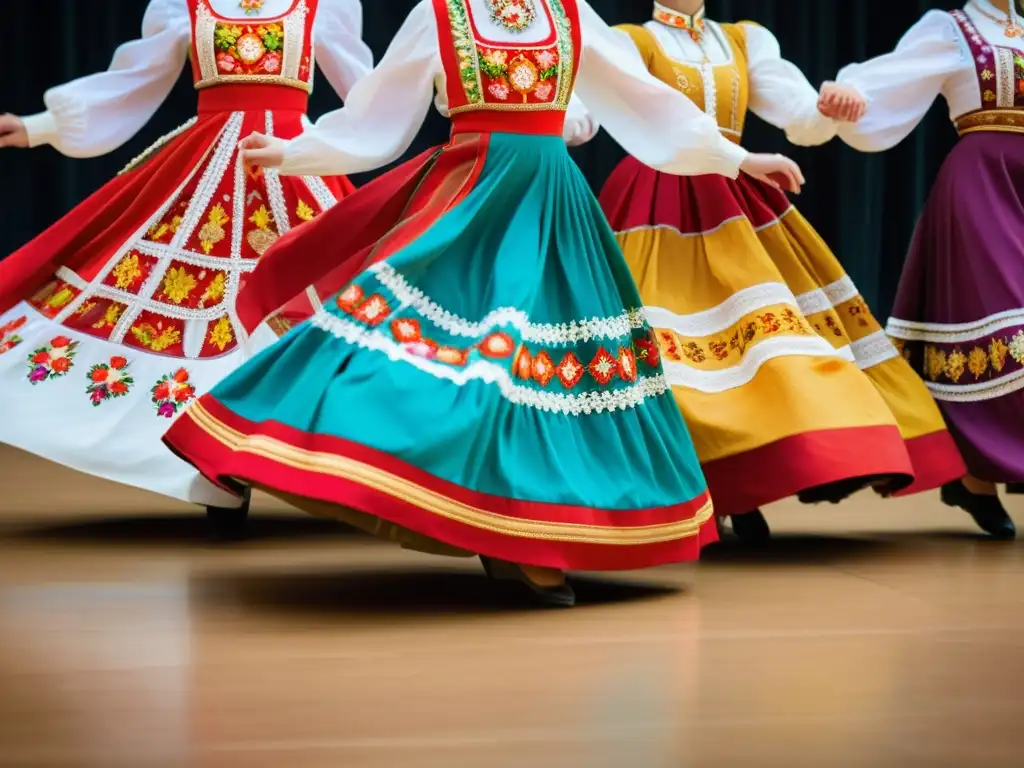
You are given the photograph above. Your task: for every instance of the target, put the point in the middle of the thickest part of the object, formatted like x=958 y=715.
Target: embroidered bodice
x=1000 y=73
x=488 y=68
x=711 y=70
x=267 y=49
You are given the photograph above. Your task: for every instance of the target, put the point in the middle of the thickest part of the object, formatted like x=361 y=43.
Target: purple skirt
x=959 y=313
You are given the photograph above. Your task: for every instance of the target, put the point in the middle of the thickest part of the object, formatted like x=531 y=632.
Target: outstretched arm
x=98 y=113
x=780 y=94
x=901 y=86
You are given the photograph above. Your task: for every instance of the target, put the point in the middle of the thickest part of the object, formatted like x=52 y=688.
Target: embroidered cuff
x=41 y=129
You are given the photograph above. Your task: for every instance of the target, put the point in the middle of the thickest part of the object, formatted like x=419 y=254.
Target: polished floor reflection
x=869 y=634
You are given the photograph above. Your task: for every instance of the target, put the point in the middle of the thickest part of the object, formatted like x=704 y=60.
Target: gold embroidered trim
x=302 y=85
x=1000 y=120
x=436 y=503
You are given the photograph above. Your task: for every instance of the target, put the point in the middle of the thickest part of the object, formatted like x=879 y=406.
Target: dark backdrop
x=863 y=205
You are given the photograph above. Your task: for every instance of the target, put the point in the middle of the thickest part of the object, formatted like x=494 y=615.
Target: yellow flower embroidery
x=304 y=212
x=215 y=290
x=110 y=317
x=85 y=309
x=977 y=362
x=935 y=361
x=178 y=284
x=60 y=298
x=987 y=74
x=989 y=95
x=212 y=232
x=955 y=365
x=261 y=217
x=157 y=339
x=220 y=334
x=127 y=271
x=997 y=352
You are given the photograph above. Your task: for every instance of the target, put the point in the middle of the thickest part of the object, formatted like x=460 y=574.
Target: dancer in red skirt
x=121 y=313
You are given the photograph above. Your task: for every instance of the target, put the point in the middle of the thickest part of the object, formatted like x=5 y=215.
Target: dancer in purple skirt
x=959 y=314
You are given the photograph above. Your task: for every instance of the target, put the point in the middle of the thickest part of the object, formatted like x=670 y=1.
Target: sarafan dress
x=787 y=382
x=959 y=310
x=122 y=312
x=484 y=380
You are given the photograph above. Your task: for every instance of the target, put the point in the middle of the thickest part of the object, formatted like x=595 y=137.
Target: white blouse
x=932 y=59
x=384 y=111
x=98 y=113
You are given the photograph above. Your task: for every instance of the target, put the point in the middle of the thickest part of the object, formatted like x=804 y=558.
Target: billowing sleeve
x=98 y=113
x=780 y=94
x=901 y=86
x=655 y=123
x=340 y=51
x=580 y=125
x=383 y=112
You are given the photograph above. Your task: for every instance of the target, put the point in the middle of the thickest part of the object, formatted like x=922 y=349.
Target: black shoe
x=229 y=523
x=987 y=511
x=1015 y=488
x=558 y=597
x=751 y=527
x=839 y=491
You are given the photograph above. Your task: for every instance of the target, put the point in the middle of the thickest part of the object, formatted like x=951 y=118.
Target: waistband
x=252 y=98
x=999 y=120
x=533 y=123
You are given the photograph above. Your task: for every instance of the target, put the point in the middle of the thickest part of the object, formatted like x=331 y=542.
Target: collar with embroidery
x=692 y=23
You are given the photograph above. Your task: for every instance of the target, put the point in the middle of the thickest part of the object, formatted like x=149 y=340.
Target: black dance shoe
x=751 y=527
x=561 y=596
x=229 y=523
x=988 y=511
x=1015 y=488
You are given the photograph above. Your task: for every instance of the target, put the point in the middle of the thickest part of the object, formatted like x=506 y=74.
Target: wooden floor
x=870 y=634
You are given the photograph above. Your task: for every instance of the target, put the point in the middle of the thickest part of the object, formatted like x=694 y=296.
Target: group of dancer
x=462 y=356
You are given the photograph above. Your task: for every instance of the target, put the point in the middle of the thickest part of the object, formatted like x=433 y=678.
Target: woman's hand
x=777 y=170
x=12 y=132
x=841 y=102
x=260 y=150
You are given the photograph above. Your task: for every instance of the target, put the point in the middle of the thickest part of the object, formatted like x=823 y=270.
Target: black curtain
x=863 y=205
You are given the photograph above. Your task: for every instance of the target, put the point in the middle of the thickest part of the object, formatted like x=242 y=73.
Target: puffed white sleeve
x=780 y=94
x=901 y=86
x=383 y=112
x=580 y=125
x=655 y=123
x=98 y=113
x=341 y=53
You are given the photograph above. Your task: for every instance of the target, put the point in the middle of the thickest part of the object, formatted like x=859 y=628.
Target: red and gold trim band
x=999 y=120
x=252 y=98
x=694 y=24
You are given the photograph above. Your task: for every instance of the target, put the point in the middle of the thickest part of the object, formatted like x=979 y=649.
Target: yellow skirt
x=785 y=378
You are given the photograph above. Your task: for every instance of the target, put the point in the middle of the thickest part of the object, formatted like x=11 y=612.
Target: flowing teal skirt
x=487 y=385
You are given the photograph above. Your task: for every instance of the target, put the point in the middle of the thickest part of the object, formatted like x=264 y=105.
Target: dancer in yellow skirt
x=788 y=383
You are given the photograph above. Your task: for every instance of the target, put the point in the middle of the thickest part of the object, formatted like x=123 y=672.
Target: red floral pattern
x=108 y=381
x=8 y=338
x=172 y=392
x=52 y=361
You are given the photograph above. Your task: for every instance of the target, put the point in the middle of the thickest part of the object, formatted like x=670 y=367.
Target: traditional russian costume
x=959 y=310
x=486 y=384
x=122 y=312
x=786 y=381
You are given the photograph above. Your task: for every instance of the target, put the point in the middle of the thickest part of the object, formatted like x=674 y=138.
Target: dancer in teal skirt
x=483 y=381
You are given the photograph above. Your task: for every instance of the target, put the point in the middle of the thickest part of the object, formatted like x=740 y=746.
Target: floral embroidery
x=221 y=334
x=997 y=352
x=955 y=365
x=374 y=311
x=212 y=232
x=528 y=73
x=977 y=362
x=172 y=392
x=603 y=367
x=52 y=361
x=110 y=317
x=513 y=15
x=465 y=50
x=126 y=272
x=248 y=49
x=262 y=237
x=178 y=284
x=214 y=290
x=719 y=348
x=157 y=338
x=935 y=362
x=8 y=338
x=498 y=345
x=648 y=351
x=54 y=297
x=859 y=310
x=1017 y=347
x=570 y=370
x=304 y=212
x=543 y=370
x=109 y=380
